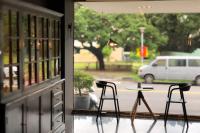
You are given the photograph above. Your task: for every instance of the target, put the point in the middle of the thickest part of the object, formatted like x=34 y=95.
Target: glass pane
x=25 y=22
x=5 y=42
x=11 y=77
x=26 y=51
x=177 y=62
x=15 y=77
x=172 y=63
x=14 y=51
x=52 y=29
x=5 y=24
x=33 y=50
x=40 y=72
x=56 y=29
x=45 y=70
x=41 y=49
x=6 y=86
x=160 y=63
x=14 y=23
x=45 y=28
x=52 y=68
x=46 y=49
x=33 y=26
x=58 y=48
x=194 y=63
x=53 y=48
x=39 y=24
x=6 y=81
x=57 y=66
x=26 y=74
x=6 y=52
x=33 y=74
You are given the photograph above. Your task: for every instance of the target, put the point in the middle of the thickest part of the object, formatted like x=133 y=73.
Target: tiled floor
x=88 y=124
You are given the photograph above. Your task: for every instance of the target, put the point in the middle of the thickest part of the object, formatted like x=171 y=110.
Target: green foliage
x=85 y=65
x=82 y=81
x=91 y=26
x=177 y=28
x=153 y=54
x=107 y=51
x=134 y=56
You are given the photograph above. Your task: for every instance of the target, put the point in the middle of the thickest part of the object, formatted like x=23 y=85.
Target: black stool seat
x=108 y=85
x=172 y=88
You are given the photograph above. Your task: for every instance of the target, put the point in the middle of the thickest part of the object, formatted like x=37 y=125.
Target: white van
x=172 y=67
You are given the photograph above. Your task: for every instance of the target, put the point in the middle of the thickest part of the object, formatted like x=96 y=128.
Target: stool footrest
x=176 y=101
x=111 y=97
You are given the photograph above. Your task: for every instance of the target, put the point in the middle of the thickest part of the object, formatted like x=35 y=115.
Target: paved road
x=156 y=98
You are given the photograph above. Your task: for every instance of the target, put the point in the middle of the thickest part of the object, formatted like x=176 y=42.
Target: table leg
x=148 y=108
x=133 y=113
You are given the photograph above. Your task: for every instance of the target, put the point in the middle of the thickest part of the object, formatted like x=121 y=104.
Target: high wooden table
x=140 y=97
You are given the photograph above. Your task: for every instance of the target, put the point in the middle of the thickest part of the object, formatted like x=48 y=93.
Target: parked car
x=172 y=67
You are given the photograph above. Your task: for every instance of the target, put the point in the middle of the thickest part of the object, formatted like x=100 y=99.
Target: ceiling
x=140 y=6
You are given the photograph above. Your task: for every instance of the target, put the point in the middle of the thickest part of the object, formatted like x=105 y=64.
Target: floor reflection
x=88 y=124
x=181 y=124
x=100 y=122
x=149 y=130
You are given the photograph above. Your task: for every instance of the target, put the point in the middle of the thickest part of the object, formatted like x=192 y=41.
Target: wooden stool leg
x=133 y=113
x=149 y=108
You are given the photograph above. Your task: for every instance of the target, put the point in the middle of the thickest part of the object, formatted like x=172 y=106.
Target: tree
x=91 y=27
x=178 y=28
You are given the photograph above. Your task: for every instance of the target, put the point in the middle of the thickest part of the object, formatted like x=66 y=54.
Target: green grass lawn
x=136 y=78
x=82 y=65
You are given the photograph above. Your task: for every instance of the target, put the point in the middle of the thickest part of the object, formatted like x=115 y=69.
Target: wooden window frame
x=21 y=40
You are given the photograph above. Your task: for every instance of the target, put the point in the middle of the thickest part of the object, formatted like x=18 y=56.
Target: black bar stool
x=108 y=85
x=181 y=88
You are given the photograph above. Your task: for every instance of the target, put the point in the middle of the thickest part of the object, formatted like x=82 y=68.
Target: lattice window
x=10 y=51
x=31 y=44
x=55 y=59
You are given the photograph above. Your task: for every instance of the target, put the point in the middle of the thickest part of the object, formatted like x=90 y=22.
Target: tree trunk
x=101 y=63
x=99 y=55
